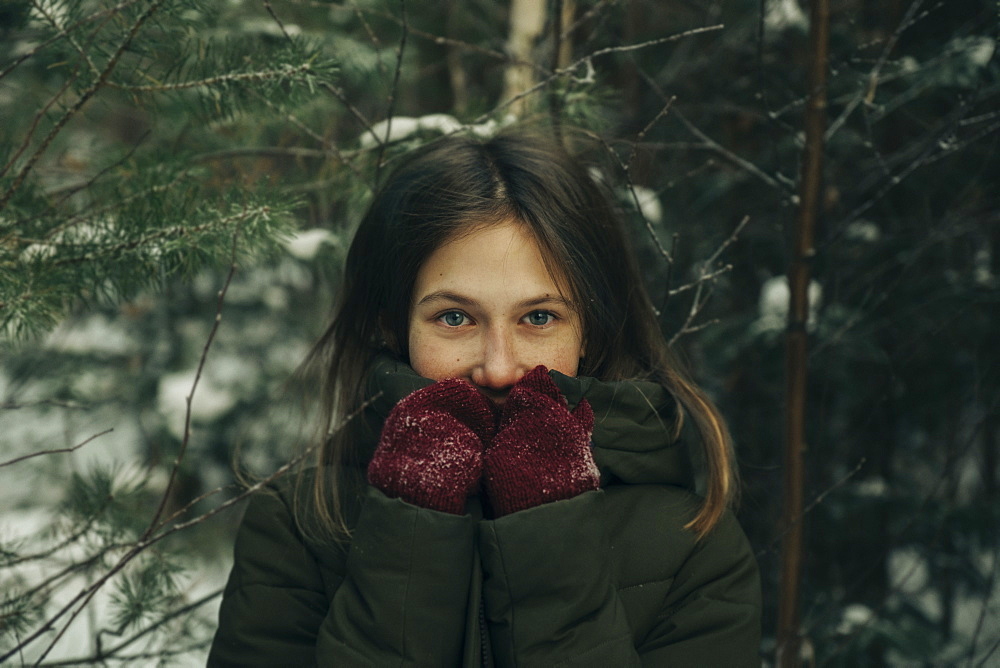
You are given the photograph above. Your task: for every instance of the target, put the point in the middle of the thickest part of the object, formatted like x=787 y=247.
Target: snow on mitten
x=541 y=452
x=430 y=453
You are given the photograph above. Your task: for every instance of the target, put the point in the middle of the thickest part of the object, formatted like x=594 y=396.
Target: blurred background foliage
x=147 y=147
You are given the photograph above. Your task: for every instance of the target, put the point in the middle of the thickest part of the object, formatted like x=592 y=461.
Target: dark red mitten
x=431 y=450
x=541 y=452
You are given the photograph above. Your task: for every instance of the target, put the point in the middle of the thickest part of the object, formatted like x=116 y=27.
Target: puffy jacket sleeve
x=551 y=589
x=396 y=596
x=711 y=614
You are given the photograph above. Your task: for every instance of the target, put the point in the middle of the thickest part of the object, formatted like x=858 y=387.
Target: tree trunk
x=456 y=70
x=788 y=640
x=527 y=21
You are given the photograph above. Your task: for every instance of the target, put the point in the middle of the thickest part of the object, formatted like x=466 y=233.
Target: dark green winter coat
x=608 y=578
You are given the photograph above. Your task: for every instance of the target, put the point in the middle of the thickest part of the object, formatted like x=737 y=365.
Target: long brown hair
x=458 y=182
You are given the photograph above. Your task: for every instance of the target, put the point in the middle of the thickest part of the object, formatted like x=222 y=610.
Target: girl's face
x=486 y=309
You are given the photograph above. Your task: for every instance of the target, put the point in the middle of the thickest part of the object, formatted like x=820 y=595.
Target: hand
x=430 y=453
x=541 y=452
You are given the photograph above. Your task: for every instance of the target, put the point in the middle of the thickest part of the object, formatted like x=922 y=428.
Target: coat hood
x=634 y=423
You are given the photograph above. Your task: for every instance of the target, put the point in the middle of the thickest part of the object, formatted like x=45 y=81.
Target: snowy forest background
x=179 y=180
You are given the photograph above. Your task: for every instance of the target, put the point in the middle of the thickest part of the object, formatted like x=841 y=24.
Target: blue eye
x=453 y=318
x=539 y=318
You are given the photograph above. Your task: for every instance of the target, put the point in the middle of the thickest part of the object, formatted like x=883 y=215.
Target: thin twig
x=815 y=502
x=110 y=653
x=706 y=276
x=744 y=164
x=391 y=107
x=697 y=303
x=342 y=97
x=30 y=133
x=59 y=403
x=728 y=242
x=329 y=146
x=710 y=276
x=154 y=523
x=55 y=451
x=44 y=554
x=270 y=10
x=664 y=253
x=867 y=92
x=649 y=126
x=376 y=42
x=575 y=65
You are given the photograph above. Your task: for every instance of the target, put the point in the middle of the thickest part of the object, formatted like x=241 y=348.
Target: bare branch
x=270 y=10
x=814 y=503
x=44 y=554
x=867 y=93
x=340 y=95
x=55 y=451
x=391 y=108
x=697 y=304
x=586 y=60
x=710 y=276
x=112 y=652
x=154 y=523
x=730 y=240
x=59 y=403
x=329 y=146
x=635 y=198
x=376 y=42
x=776 y=182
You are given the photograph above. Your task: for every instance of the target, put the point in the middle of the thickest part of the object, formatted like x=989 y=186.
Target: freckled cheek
x=559 y=356
x=436 y=359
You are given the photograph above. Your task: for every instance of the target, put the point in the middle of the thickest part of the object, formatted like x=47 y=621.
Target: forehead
x=493 y=257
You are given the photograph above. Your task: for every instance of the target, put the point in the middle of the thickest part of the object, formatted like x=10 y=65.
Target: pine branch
x=63 y=33
x=279 y=74
x=82 y=598
x=75 y=108
x=168 y=233
x=43 y=10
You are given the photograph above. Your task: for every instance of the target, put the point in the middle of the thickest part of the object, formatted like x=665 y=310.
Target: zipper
x=483 y=635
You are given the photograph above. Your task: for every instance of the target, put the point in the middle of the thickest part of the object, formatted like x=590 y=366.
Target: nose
x=499 y=366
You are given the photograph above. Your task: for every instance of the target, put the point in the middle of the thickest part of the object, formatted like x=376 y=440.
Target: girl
x=515 y=490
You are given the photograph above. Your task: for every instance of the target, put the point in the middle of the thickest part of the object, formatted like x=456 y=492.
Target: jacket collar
x=634 y=423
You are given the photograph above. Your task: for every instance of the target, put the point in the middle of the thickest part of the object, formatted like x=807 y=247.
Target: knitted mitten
x=541 y=452
x=430 y=453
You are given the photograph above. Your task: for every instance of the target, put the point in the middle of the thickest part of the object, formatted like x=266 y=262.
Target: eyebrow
x=445 y=295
